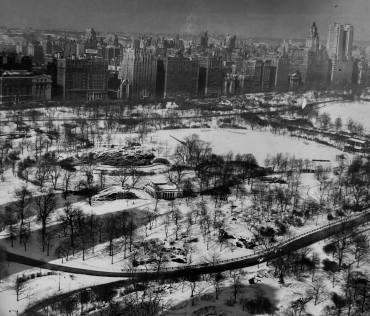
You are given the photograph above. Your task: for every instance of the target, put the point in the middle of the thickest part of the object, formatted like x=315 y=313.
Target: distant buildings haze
x=92 y=66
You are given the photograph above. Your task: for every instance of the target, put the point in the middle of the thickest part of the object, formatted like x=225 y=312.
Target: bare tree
x=87 y=182
x=55 y=171
x=41 y=172
x=22 y=198
x=193 y=279
x=360 y=248
x=68 y=221
x=176 y=173
x=338 y=124
x=18 y=285
x=68 y=176
x=218 y=282
x=317 y=290
x=136 y=176
x=3 y=266
x=121 y=175
x=236 y=283
x=177 y=217
x=45 y=206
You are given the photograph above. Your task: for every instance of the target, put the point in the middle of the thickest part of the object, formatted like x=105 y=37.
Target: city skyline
x=251 y=18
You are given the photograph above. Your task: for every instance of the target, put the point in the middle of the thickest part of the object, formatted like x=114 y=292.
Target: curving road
x=236 y=263
x=298 y=242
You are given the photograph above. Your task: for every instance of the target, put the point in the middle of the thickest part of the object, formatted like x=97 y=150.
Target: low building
x=21 y=85
x=163 y=190
x=357 y=146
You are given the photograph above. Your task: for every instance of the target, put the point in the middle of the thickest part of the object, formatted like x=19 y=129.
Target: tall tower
x=204 y=40
x=339 y=47
x=90 y=34
x=340 y=41
x=139 y=71
x=313 y=40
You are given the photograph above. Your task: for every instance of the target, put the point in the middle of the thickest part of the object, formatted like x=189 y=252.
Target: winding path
x=292 y=244
x=295 y=243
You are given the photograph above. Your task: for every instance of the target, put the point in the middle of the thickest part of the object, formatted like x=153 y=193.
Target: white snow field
x=258 y=143
x=359 y=111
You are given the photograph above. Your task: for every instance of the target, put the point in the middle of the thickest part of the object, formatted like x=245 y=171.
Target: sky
x=251 y=18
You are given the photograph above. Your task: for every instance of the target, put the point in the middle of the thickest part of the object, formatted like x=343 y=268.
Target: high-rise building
x=340 y=41
x=362 y=76
x=230 y=41
x=339 y=47
x=97 y=70
x=312 y=62
x=72 y=77
x=139 y=71
x=181 y=76
x=210 y=75
x=11 y=61
x=47 y=47
x=204 y=40
x=258 y=72
x=84 y=78
x=36 y=52
x=90 y=34
x=279 y=72
x=313 y=40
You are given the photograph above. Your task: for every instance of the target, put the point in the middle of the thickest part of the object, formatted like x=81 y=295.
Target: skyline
x=250 y=18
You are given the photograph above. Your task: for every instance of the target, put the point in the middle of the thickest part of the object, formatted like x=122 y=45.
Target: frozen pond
x=359 y=111
x=257 y=143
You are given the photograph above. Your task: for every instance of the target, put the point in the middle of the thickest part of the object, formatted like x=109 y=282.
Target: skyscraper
x=340 y=40
x=313 y=39
x=210 y=75
x=82 y=77
x=279 y=72
x=139 y=71
x=204 y=40
x=312 y=62
x=339 y=47
x=90 y=34
x=181 y=76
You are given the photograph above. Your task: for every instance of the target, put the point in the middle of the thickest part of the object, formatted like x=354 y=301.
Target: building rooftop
x=17 y=73
x=357 y=140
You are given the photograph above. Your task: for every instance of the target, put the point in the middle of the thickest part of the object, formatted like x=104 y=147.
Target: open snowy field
x=41 y=287
x=255 y=142
x=359 y=111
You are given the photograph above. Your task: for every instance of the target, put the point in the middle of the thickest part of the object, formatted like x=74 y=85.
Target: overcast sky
x=270 y=18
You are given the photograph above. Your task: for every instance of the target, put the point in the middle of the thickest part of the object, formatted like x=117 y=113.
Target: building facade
x=139 y=71
x=339 y=48
x=21 y=85
x=83 y=78
x=97 y=71
x=210 y=75
x=181 y=76
x=312 y=62
x=163 y=190
x=313 y=40
x=279 y=71
x=340 y=41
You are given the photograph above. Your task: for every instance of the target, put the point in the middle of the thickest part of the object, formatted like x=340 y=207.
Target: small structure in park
x=163 y=190
x=357 y=146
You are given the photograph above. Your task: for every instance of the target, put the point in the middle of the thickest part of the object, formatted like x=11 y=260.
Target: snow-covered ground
x=359 y=111
x=258 y=143
x=41 y=287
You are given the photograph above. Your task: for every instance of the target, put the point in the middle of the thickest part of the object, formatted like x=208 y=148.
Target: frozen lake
x=359 y=111
x=257 y=143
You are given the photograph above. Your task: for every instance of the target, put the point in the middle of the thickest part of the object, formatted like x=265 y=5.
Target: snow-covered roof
x=167 y=186
x=357 y=140
x=163 y=186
